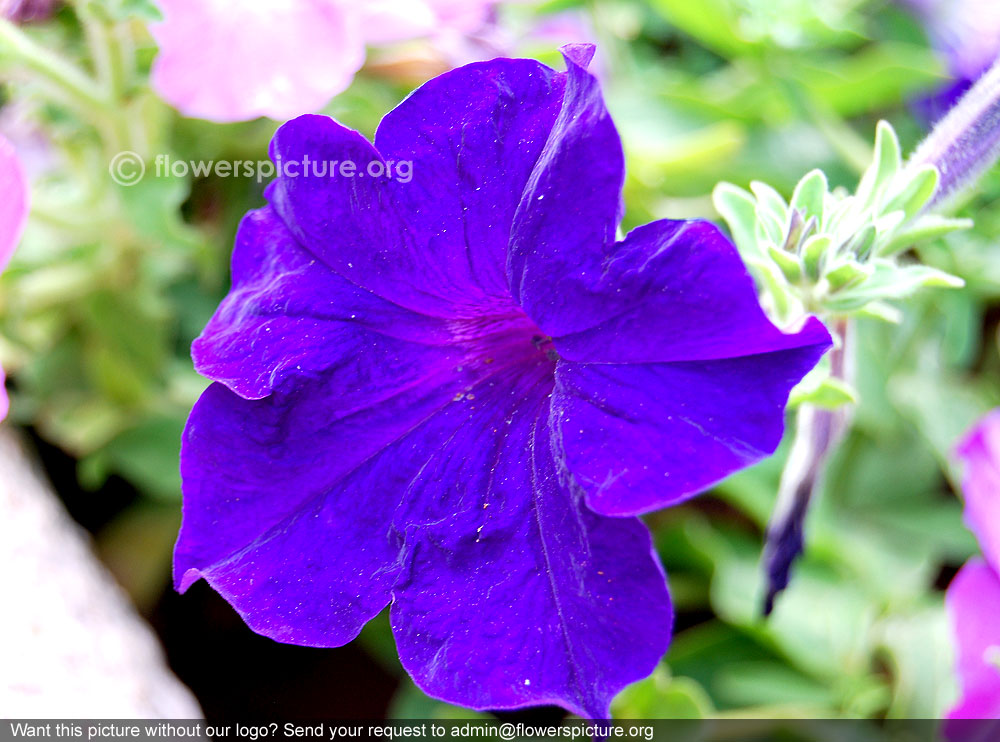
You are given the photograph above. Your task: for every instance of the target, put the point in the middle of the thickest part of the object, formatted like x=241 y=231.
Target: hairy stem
x=818 y=431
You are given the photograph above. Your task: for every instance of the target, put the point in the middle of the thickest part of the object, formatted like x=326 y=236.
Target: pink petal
x=980 y=450
x=464 y=16
x=14 y=204
x=232 y=62
x=386 y=21
x=13 y=214
x=973 y=601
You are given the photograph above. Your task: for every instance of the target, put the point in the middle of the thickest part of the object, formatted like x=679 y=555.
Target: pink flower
x=973 y=597
x=973 y=601
x=227 y=61
x=385 y=21
x=13 y=214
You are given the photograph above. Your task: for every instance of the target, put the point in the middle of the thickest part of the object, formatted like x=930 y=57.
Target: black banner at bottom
x=716 y=730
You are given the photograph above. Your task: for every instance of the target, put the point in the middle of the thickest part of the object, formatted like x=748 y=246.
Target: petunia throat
x=503 y=339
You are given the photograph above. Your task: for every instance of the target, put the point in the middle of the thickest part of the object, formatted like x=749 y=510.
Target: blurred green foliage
x=111 y=284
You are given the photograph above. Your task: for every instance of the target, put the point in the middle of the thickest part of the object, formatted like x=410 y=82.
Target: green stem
x=77 y=87
x=110 y=49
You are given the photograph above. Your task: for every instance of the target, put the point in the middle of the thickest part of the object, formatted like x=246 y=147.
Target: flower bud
x=966 y=142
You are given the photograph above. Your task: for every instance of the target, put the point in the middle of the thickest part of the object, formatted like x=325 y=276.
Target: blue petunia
x=454 y=394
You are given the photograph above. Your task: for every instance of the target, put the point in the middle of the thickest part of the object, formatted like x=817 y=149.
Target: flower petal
x=462 y=16
x=566 y=221
x=386 y=21
x=645 y=436
x=473 y=136
x=468 y=141
x=981 y=485
x=516 y=594
x=673 y=291
x=973 y=601
x=350 y=220
x=14 y=204
x=675 y=377
x=4 y=402
x=391 y=502
x=289 y=313
x=13 y=215
x=233 y=62
x=288 y=503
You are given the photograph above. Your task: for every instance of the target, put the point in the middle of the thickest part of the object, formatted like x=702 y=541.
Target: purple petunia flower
x=453 y=395
x=973 y=597
x=966 y=33
x=13 y=215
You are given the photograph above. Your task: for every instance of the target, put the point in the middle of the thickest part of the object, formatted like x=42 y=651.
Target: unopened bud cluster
x=834 y=253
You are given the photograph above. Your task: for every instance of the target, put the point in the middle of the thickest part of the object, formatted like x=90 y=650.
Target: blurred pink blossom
x=384 y=21
x=228 y=61
x=232 y=61
x=973 y=601
x=13 y=214
x=973 y=597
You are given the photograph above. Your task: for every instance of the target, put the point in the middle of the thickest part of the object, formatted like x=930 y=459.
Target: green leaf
x=889 y=281
x=813 y=253
x=925 y=228
x=711 y=22
x=862 y=242
x=919 y=646
x=412 y=703
x=147 y=455
x=776 y=288
x=739 y=209
x=847 y=274
x=943 y=407
x=830 y=394
x=771 y=203
x=769 y=231
x=126 y=343
x=772 y=684
x=888 y=222
x=662 y=697
x=875 y=78
x=800 y=626
x=915 y=193
x=837 y=215
x=153 y=208
x=810 y=195
x=788 y=264
x=881 y=311
x=886 y=163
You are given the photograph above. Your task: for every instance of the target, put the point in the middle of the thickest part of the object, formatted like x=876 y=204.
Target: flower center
x=506 y=338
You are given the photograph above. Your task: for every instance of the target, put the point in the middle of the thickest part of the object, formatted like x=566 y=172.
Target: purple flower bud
x=965 y=32
x=26 y=11
x=966 y=142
